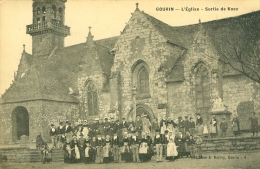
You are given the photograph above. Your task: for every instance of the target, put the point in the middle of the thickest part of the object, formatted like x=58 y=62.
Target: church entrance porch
x=20 y=123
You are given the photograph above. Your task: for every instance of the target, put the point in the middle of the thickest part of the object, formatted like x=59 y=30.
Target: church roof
x=183 y=36
x=50 y=78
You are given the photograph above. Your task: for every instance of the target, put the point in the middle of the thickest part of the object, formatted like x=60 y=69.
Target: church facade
x=151 y=68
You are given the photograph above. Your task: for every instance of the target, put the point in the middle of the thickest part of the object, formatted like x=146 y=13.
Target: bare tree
x=238 y=44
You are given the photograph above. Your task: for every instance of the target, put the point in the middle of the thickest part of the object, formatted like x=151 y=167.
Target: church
x=150 y=69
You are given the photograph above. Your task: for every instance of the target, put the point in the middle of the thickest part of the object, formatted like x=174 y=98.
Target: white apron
x=171 y=149
x=77 y=152
x=106 y=150
x=143 y=148
x=86 y=151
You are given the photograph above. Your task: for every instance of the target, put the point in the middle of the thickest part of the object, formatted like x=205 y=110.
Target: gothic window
x=92 y=99
x=54 y=10
x=202 y=86
x=60 y=15
x=43 y=18
x=143 y=80
x=38 y=20
x=43 y=10
x=38 y=11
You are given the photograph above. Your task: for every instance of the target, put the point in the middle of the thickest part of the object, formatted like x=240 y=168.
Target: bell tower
x=48 y=29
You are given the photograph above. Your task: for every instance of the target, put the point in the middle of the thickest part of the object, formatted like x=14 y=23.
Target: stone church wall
x=41 y=115
x=180 y=100
x=140 y=43
x=33 y=108
x=242 y=96
x=103 y=96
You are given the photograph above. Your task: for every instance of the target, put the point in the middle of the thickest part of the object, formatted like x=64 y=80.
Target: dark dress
x=87 y=150
x=66 y=153
x=180 y=142
x=75 y=154
x=107 y=154
x=150 y=149
x=143 y=150
x=93 y=151
x=126 y=154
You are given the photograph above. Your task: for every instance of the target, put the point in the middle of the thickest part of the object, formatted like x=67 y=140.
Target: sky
x=106 y=17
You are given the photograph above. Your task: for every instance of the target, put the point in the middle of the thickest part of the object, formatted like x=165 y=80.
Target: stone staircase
x=24 y=155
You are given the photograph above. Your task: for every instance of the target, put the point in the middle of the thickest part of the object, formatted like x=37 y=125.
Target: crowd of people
x=109 y=140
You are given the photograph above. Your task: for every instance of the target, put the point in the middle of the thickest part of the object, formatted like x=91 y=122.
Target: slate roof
x=183 y=36
x=50 y=78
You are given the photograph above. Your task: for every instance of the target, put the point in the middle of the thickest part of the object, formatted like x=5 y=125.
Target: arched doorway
x=141 y=111
x=20 y=122
x=147 y=116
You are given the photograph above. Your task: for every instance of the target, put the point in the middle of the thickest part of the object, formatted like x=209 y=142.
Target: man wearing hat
x=163 y=125
x=254 y=124
x=135 y=146
x=223 y=127
x=131 y=125
x=94 y=127
x=158 y=145
x=100 y=144
x=60 y=132
x=123 y=126
x=107 y=126
x=113 y=127
x=101 y=129
x=53 y=135
x=180 y=124
x=192 y=126
x=115 y=147
x=186 y=124
x=81 y=144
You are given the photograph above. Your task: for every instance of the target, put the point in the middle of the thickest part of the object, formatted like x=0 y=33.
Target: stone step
x=30 y=155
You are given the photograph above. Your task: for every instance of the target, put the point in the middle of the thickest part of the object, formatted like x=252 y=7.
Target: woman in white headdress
x=171 y=148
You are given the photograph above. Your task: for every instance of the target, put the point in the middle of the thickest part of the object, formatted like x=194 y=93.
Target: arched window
x=140 y=79
x=143 y=80
x=202 y=86
x=92 y=99
x=60 y=15
x=54 y=10
x=43 y=10
x=38 y=11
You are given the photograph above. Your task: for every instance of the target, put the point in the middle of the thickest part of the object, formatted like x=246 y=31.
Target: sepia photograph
x=129 y=84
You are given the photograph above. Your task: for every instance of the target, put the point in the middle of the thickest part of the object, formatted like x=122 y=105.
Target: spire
x=137 y=6
x=23 y=47
x=89 y=41
x=199 y=20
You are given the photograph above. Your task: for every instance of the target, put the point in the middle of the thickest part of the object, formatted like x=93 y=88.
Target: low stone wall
x=231 y=144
